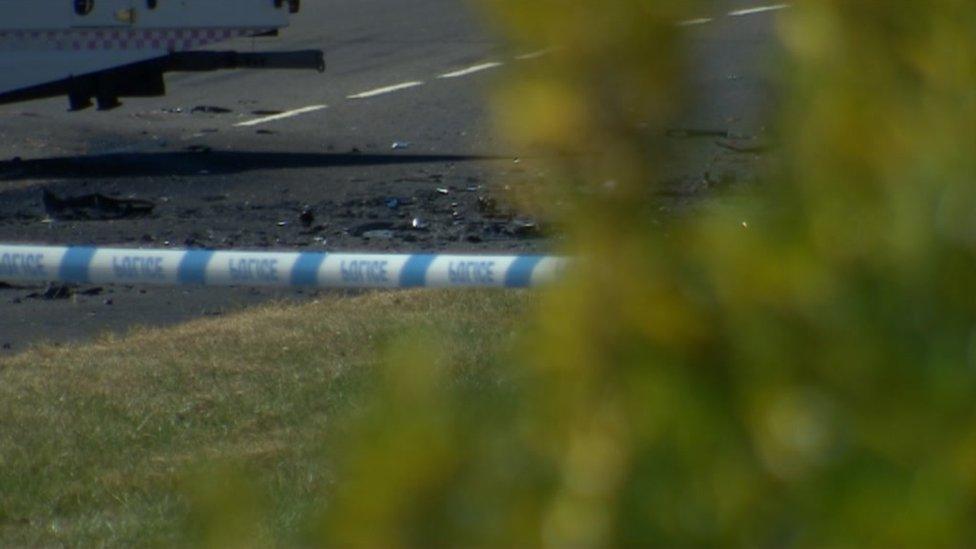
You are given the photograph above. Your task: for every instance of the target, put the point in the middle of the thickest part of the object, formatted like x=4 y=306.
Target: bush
x=791 y=367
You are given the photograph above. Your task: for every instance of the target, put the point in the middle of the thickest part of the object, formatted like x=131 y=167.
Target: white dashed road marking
x=282 y=116
x=487 y=66
x=471 y=70
x=759 y=9
x=693 y=22
x=387 y=89
x=533 y=55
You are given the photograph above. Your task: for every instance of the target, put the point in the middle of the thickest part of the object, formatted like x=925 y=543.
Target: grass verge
x=111 y=442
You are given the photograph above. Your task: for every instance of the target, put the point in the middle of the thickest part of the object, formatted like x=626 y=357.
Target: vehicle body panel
x=47 y=41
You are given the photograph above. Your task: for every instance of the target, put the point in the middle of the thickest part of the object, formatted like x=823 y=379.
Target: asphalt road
x=229 y=180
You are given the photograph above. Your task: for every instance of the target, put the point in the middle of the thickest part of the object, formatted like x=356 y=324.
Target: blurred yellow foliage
x=806 y=378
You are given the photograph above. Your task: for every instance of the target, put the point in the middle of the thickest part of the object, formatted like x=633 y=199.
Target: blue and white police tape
x=82 y=265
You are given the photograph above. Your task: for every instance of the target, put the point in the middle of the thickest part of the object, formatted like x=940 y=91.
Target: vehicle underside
x=146 y=79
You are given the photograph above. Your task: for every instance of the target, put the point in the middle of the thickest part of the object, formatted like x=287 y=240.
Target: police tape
x=84 y=265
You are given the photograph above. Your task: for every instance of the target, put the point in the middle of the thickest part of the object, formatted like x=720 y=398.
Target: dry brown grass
x=97 y=441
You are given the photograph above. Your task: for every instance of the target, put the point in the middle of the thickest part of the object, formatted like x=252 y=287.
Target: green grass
x=113 y=441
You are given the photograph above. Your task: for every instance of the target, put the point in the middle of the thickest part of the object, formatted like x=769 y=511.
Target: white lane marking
x=694 y=22
x=282 y=116
x=758 y=9
x=533 y=55
x=471 y=70
x=387 y=89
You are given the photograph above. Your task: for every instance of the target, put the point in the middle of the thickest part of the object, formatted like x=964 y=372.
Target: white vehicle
x=102 y=50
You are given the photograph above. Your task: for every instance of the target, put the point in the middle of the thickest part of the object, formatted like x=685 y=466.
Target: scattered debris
x=307 y=217
x=210 y=109
x=54 y=292
x=93 y=207
x=487 y=205
x=524 y=227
